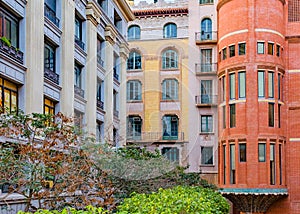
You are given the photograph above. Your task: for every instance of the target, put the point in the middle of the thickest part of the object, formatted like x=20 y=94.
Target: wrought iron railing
x=206 y=68
x=78 y=91
x=206 y=99
x=51 y=15
x=51 y=75
x=100 y=104
x=100 y=61
x=11 y=51
x=206 y=36
x=79 y=42
x=157 y=136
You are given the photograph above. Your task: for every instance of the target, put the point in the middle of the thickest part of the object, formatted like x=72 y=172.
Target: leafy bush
x=89 y=210
x=181 y=200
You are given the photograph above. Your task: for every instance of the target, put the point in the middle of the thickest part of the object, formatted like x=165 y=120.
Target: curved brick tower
x=251 y=71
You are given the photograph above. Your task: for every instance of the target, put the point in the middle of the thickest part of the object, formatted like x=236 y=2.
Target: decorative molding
x=266 y=67
x=222 y=2
x=110 y=34
x=233 y=33
x=124 y=50
x=239 y=68
x=161 y=12
x=93 y=13
x=125 y=9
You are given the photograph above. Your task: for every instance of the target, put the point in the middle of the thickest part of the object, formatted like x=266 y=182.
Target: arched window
x=169 y=59
x=134 y=127
x=170 y=127
x=206 y=29
x=134 y=32
x=134 y=90
x=134 y=61
x=170 y=89
x=170 y=30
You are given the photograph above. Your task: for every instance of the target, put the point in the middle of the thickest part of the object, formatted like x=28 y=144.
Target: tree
x=41 y=158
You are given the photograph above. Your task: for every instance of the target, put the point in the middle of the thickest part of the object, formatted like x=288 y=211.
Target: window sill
x=207 y=165
x=169 y=101
x=134 y=70
x=206 y=133
x=134 y=101
x=170 y=69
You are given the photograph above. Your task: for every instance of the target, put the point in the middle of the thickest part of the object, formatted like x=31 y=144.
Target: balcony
x=11 y=51
x=151 y=137
x=51 y=75
x=51 y=15
x=79 y=42
x=78 y=91
x=206 y=100
x=116 y=113
x=206 y=69
x=100 y=61
x=116 y=75
x=206 y=38
x=100 y=104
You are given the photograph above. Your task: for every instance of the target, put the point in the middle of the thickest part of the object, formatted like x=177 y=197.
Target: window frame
x=168 y=153
x=261 y=85
x=49 y=106
x=171 y=132
x=271 y=86
x=134 y=127
x=135 y=59
x=9 y=18
x=232 y=87
x=169 y=59
x=134 y=32
x=242 y=84
x=231 y=51
x=260 y=47
x=242 y=152
x=207 y=151
x=224 y=53
x=6 y=87
x=232 y=116
x=241 y=49
x=170 y=89
x=134 y=90
x=206 y=29
x=78 y=76
x=170 y=30
x=270 y=48
x=271 y=114
x=50 y=48
x=261 y=152
x=208 y=122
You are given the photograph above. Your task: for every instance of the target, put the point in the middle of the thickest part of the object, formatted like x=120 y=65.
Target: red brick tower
x=252 y=105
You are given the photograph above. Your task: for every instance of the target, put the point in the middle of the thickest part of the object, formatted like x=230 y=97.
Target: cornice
x=161 y=12
x=93 y=13
x=125 y=9
x=222 y=2
x=110 y=34
x=124 y=50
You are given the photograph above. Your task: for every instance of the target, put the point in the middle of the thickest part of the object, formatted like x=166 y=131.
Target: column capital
x=93 y=13
x=110 y=34
x=124 y=50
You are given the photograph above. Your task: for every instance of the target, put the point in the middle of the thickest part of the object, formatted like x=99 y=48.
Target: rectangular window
x=242 y=151
x=262 y=152
x=224 y=164
x=171 y=153
x=78 y=120
x=271 y=114
x=279 y=115
x=49 y=106
x=78 y=76
x=232 y=51
x=78 y=28
x=9 y=28
x=232 y=115
x=242 y=84
x=278 y=50
x=206 y=91
x=206 y=60
x=261 y=83
x=260 y=47
x=270 y=48
x=280 y=164
x=8 y=96
x=224 y=117
x=232 y=163
x=49 y=57
x=223 y=89
x=206 y=123
x=232 y=86
x=207 y=155
x=271 y=84
x=99 y=131
x=242 y=48
x=279 y=86
x=272 y=164
x=206 y=1
x=224 y=53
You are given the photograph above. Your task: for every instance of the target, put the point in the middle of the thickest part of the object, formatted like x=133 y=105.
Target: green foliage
x=181 y=200
x=137 y=153
x=6 y=41
x=88 y=210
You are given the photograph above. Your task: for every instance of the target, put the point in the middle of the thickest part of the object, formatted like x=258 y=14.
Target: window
x=278 y=50
x=279 y=86
x=8 y=96
x=223 y=88
x=271 y=114
x=232 y=86
x=270 y=48
x=224 y=53
x=134 y=61
x=207 y=155
x=103 y=4
x=272 y=164
x=261 y=152
x=242 y=48
x=100 y=131
x=242 y=151
x=206 y=60
x=279 y=115
x=206 y=29
x=9 y=28
x=170 y=89
x=78 y=120
x=206 y=123
x=232 y=163
x=117 y=21
x=100 y=52
x=116 y=103
x=78 y=76
x=171 y=153
x=271 y=84
x=224 y=164
x=116 y=68
x=134 y=127
x=49 y=106
x=206 y=1
x=100 y=94
x=232 y=51
x=170 y=30
x=134 y=90
x=49 y=57
x=280 y=163
x=261 y=83
x=232 y=115
x=170 y=127
x=134 y=32
x=242 y=84
x=224 y=117
x=260 y=47
x=169 y=59
x=78 y=32
x=50 y=11
x=206 y=91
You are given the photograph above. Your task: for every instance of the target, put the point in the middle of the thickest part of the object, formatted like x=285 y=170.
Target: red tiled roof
x=161 y=12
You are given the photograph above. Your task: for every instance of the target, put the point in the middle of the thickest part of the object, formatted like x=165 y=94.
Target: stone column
x=34 y=56
x=93 y=17
x=67 y=56
x=124 y=51
x=110 y=36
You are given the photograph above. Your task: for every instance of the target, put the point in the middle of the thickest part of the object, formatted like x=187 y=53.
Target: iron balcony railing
x=100 y=104
x=11 y=51
x=51 y=75
x=100 y=61
x=202 y=68
x=156 y=136
x=206 y=36
x=79 y=42
x=206 y=99
x=116 y=113
x=116 y=75
x=78 y=91
x=51 y=15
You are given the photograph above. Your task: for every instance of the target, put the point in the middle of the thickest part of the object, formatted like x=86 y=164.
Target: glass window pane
x=232 y=115
x=270 y=48
x=232 y=51
x=260 y=47
x=242 y=148
x=261 y=83
x=271 y=84
x=261 y=152
x=271 y=114
x=242 y=48
x=206 y=155
x=232 y=86
x=242 y=84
